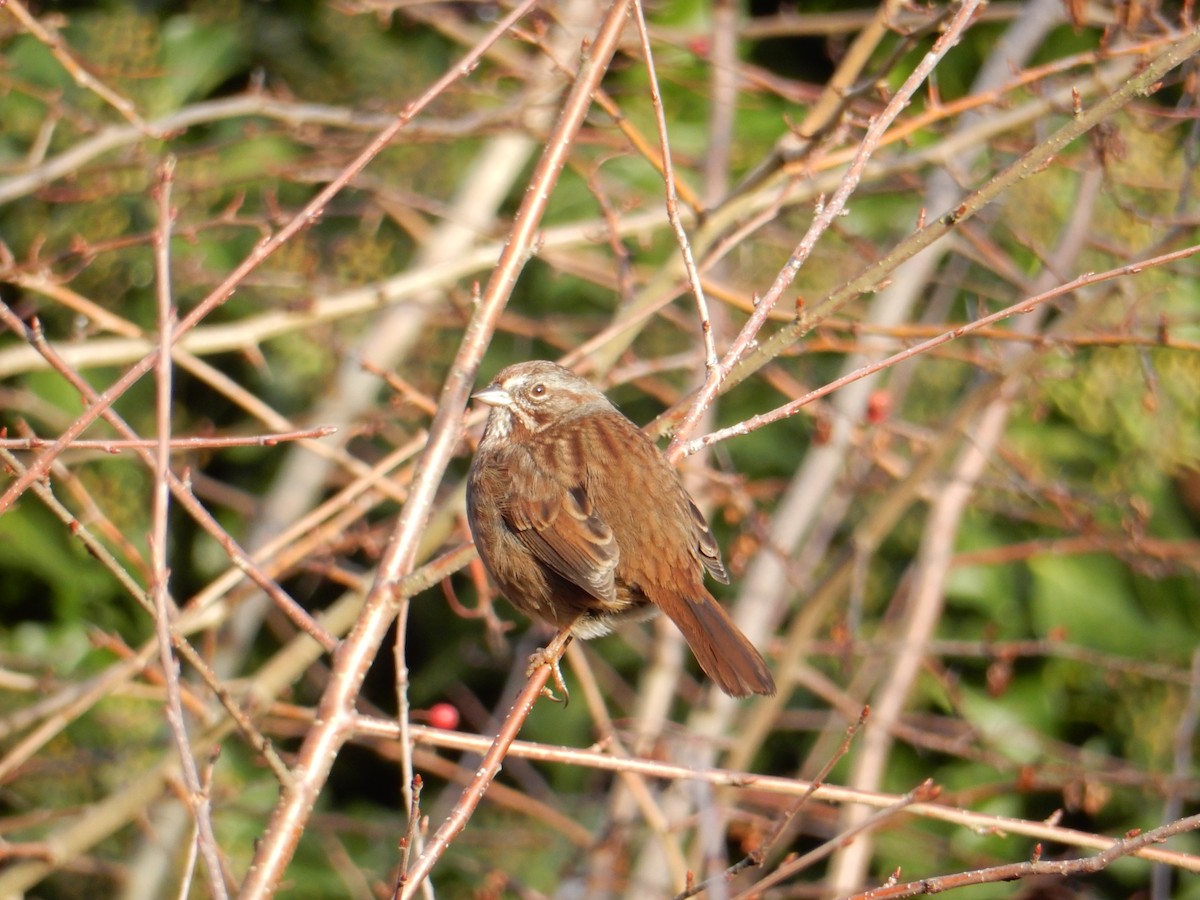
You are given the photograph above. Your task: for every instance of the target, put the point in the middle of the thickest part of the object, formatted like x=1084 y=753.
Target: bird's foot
x=551 y=655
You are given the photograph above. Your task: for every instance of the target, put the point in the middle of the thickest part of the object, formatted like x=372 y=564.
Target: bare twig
x=1085 y=865
x=827 y=212
x=320 y=748
x=175 y=444
x=164 y=607
x=782 y=829
x=672 y=202
x=85 y=79
x=922 y=793
x=485 y=773
x=1143 y=82
x=826 y=793
x=1021 y=307
x=311 y=211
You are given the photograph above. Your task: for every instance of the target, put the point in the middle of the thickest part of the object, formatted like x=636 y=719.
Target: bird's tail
x=724 y=653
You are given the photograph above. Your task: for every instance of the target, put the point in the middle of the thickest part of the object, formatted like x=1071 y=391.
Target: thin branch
x=827 y=212
x=1144 y=82
x=175 y=444
x=793 y=787
x=668 y=172
x=1019 y=308
x=922 y=793
x=337 y=703
x=85 y=79
x=485 y=773
x=181 y=490
x=265 y=248
x=1086 y=865
x=164 y=607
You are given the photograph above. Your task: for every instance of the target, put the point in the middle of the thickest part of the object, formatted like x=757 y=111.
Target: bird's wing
x=706 y=544
x=561 y=529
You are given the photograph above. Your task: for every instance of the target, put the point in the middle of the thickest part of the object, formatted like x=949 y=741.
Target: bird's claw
x=546 y=656
x=551 y=656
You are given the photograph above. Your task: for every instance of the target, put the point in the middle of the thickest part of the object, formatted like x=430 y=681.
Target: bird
x=583 y=524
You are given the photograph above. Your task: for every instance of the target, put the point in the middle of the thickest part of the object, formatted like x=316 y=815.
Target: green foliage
x=201 y=58
x=1087 y=598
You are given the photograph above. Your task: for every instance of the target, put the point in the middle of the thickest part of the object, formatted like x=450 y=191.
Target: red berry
x=444 y=716
x=879 y=406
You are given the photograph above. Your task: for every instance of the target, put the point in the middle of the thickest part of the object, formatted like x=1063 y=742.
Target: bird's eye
x=538 y=390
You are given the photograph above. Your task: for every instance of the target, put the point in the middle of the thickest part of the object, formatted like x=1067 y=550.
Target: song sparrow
x=582 y=523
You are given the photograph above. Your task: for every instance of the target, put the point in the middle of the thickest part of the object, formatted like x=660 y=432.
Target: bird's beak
x=493 y=395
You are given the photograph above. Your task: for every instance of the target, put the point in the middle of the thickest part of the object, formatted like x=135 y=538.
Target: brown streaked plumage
x=582 y=523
